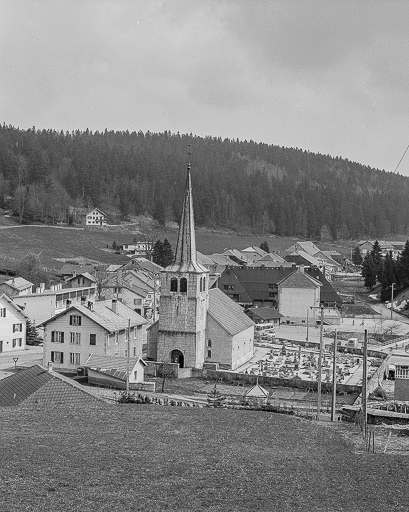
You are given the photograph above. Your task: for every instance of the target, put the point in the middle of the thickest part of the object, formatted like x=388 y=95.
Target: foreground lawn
x=128 y=458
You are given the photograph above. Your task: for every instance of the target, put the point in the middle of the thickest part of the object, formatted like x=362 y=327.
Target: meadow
x=152 y=458
x=55 y=243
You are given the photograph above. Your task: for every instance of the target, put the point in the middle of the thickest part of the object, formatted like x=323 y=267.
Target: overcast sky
x=325 y=76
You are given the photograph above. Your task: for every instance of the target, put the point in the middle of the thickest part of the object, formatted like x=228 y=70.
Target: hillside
x=182 y=459
x=56 y=243
x=237 y=185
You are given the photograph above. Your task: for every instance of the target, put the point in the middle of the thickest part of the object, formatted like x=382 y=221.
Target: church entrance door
x=177 y=357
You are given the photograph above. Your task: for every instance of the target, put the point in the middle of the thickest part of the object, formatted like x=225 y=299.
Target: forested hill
x=239 y=185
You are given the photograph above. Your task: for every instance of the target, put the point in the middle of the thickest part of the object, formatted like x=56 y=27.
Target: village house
x=138 y=248
x=45 y=303
x=264 y=318
x=100 y=328
x=95 y=217
x=366 y=246
x=84 y=279
x=115 y=372
x=16 y=286
x=12 y=325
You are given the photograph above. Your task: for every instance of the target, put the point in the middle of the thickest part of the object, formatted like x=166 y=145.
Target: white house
x=297 y=293
x=100 y=328
x=12 y=325
x=95 y=217
x=112 y=371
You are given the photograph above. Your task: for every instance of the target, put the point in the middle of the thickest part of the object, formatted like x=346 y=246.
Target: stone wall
x=265 y=381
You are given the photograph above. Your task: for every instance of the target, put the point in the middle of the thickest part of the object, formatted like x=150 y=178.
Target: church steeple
x=185 y=255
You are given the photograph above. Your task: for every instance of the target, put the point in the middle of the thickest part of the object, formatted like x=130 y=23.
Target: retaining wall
x=244 y=378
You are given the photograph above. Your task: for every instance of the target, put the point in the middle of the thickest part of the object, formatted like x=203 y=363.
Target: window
x=402 y=372
x=225 y=287
x=134 y=351
x=235 y=297
x=2 y=312
x=57 y=337
x=75 y=358
x=17 y=327
x=173 y=284
x=75 y=338
x=183 y=285
x=20 y=342
x=75 y=320
x=14 y=342
x=57 y=357
x=209 y=343
x=92 y=339
x=209 y=353
x=80 y=281
x=204 y=284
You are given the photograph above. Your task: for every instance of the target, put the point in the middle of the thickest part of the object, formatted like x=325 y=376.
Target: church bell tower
x=184 y=297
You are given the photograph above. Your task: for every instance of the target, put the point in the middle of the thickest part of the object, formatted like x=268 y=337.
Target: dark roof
x=37 y=386
x=71 y=268
x=256 y=281
x=265 y=313
x=299 y=279
x=230 y=280
x=327 y=292
x=227 y=313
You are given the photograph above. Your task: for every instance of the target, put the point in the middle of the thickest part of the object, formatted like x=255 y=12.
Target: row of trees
x=386 y=271
x=237 y=184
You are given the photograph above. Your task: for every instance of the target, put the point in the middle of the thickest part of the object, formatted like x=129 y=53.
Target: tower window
x=209 y=343
x=173 y=284
x=183 y=285
x=209 y=353
x=204 y=284
x=201 y=284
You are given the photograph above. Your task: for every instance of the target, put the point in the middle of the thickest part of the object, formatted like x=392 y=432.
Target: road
x=25 y=358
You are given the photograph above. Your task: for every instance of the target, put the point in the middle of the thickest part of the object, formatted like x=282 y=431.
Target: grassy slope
x=57 y=242
x=169 y=458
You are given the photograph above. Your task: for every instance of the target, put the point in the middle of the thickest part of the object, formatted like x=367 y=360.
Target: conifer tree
x=369 y=271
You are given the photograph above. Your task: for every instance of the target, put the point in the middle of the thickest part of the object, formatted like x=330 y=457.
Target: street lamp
x=393 y=284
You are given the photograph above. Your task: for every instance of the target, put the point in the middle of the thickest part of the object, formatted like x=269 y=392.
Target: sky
x=325 y=76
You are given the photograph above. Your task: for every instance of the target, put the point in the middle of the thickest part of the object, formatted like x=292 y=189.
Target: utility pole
x=320 y=365
x=364 y=384
x=127 y=357
x=393 y=284
x=307 y=324
x=334 y=377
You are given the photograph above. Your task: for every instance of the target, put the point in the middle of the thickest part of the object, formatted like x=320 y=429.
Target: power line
x=401 y=159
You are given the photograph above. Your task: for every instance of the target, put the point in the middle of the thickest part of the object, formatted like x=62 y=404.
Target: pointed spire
x=185 y=255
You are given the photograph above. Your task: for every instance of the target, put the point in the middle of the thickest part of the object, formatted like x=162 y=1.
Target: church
x=197 y=325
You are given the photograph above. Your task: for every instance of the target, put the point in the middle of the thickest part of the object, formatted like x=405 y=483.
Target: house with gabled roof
x=264 y=317
x=16 y=286
x=297 y=293
x=12 y=325
x=100 y=328
x=82 y=279
x=95 y=217
x=253 y=253
x=115 y=371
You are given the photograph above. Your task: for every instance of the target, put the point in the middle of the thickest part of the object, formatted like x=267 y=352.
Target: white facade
x=95 y=217
x=12 y=326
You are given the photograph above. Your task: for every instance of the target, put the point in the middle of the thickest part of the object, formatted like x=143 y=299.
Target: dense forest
x=241 y=185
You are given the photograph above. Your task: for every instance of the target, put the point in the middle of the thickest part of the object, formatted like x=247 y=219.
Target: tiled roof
x=265 y=313
x=299 y=279
x=254 y=249
x=223 y=260
x=327 y=292
x=37 y=386
x=13 y=304
x=307 y=246
x=227 y=313
x=19 y=283
x=103 y=315
x=203 y=259
x=70 y=268
x=145 y=264
x=112 y=364
x=272 y=256
x=256 y=281
x=300 y=257
x=231 y=280
x=87 y=275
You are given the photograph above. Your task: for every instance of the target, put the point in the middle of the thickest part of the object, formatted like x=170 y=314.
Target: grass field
x=55 y=243
x=151 y=458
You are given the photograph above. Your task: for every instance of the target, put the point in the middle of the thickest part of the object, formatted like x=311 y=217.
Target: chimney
x=90 y=305
x=67 y=303
x=50 y=366
x=301 y=268
x=42 y=287
x=114 y=305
